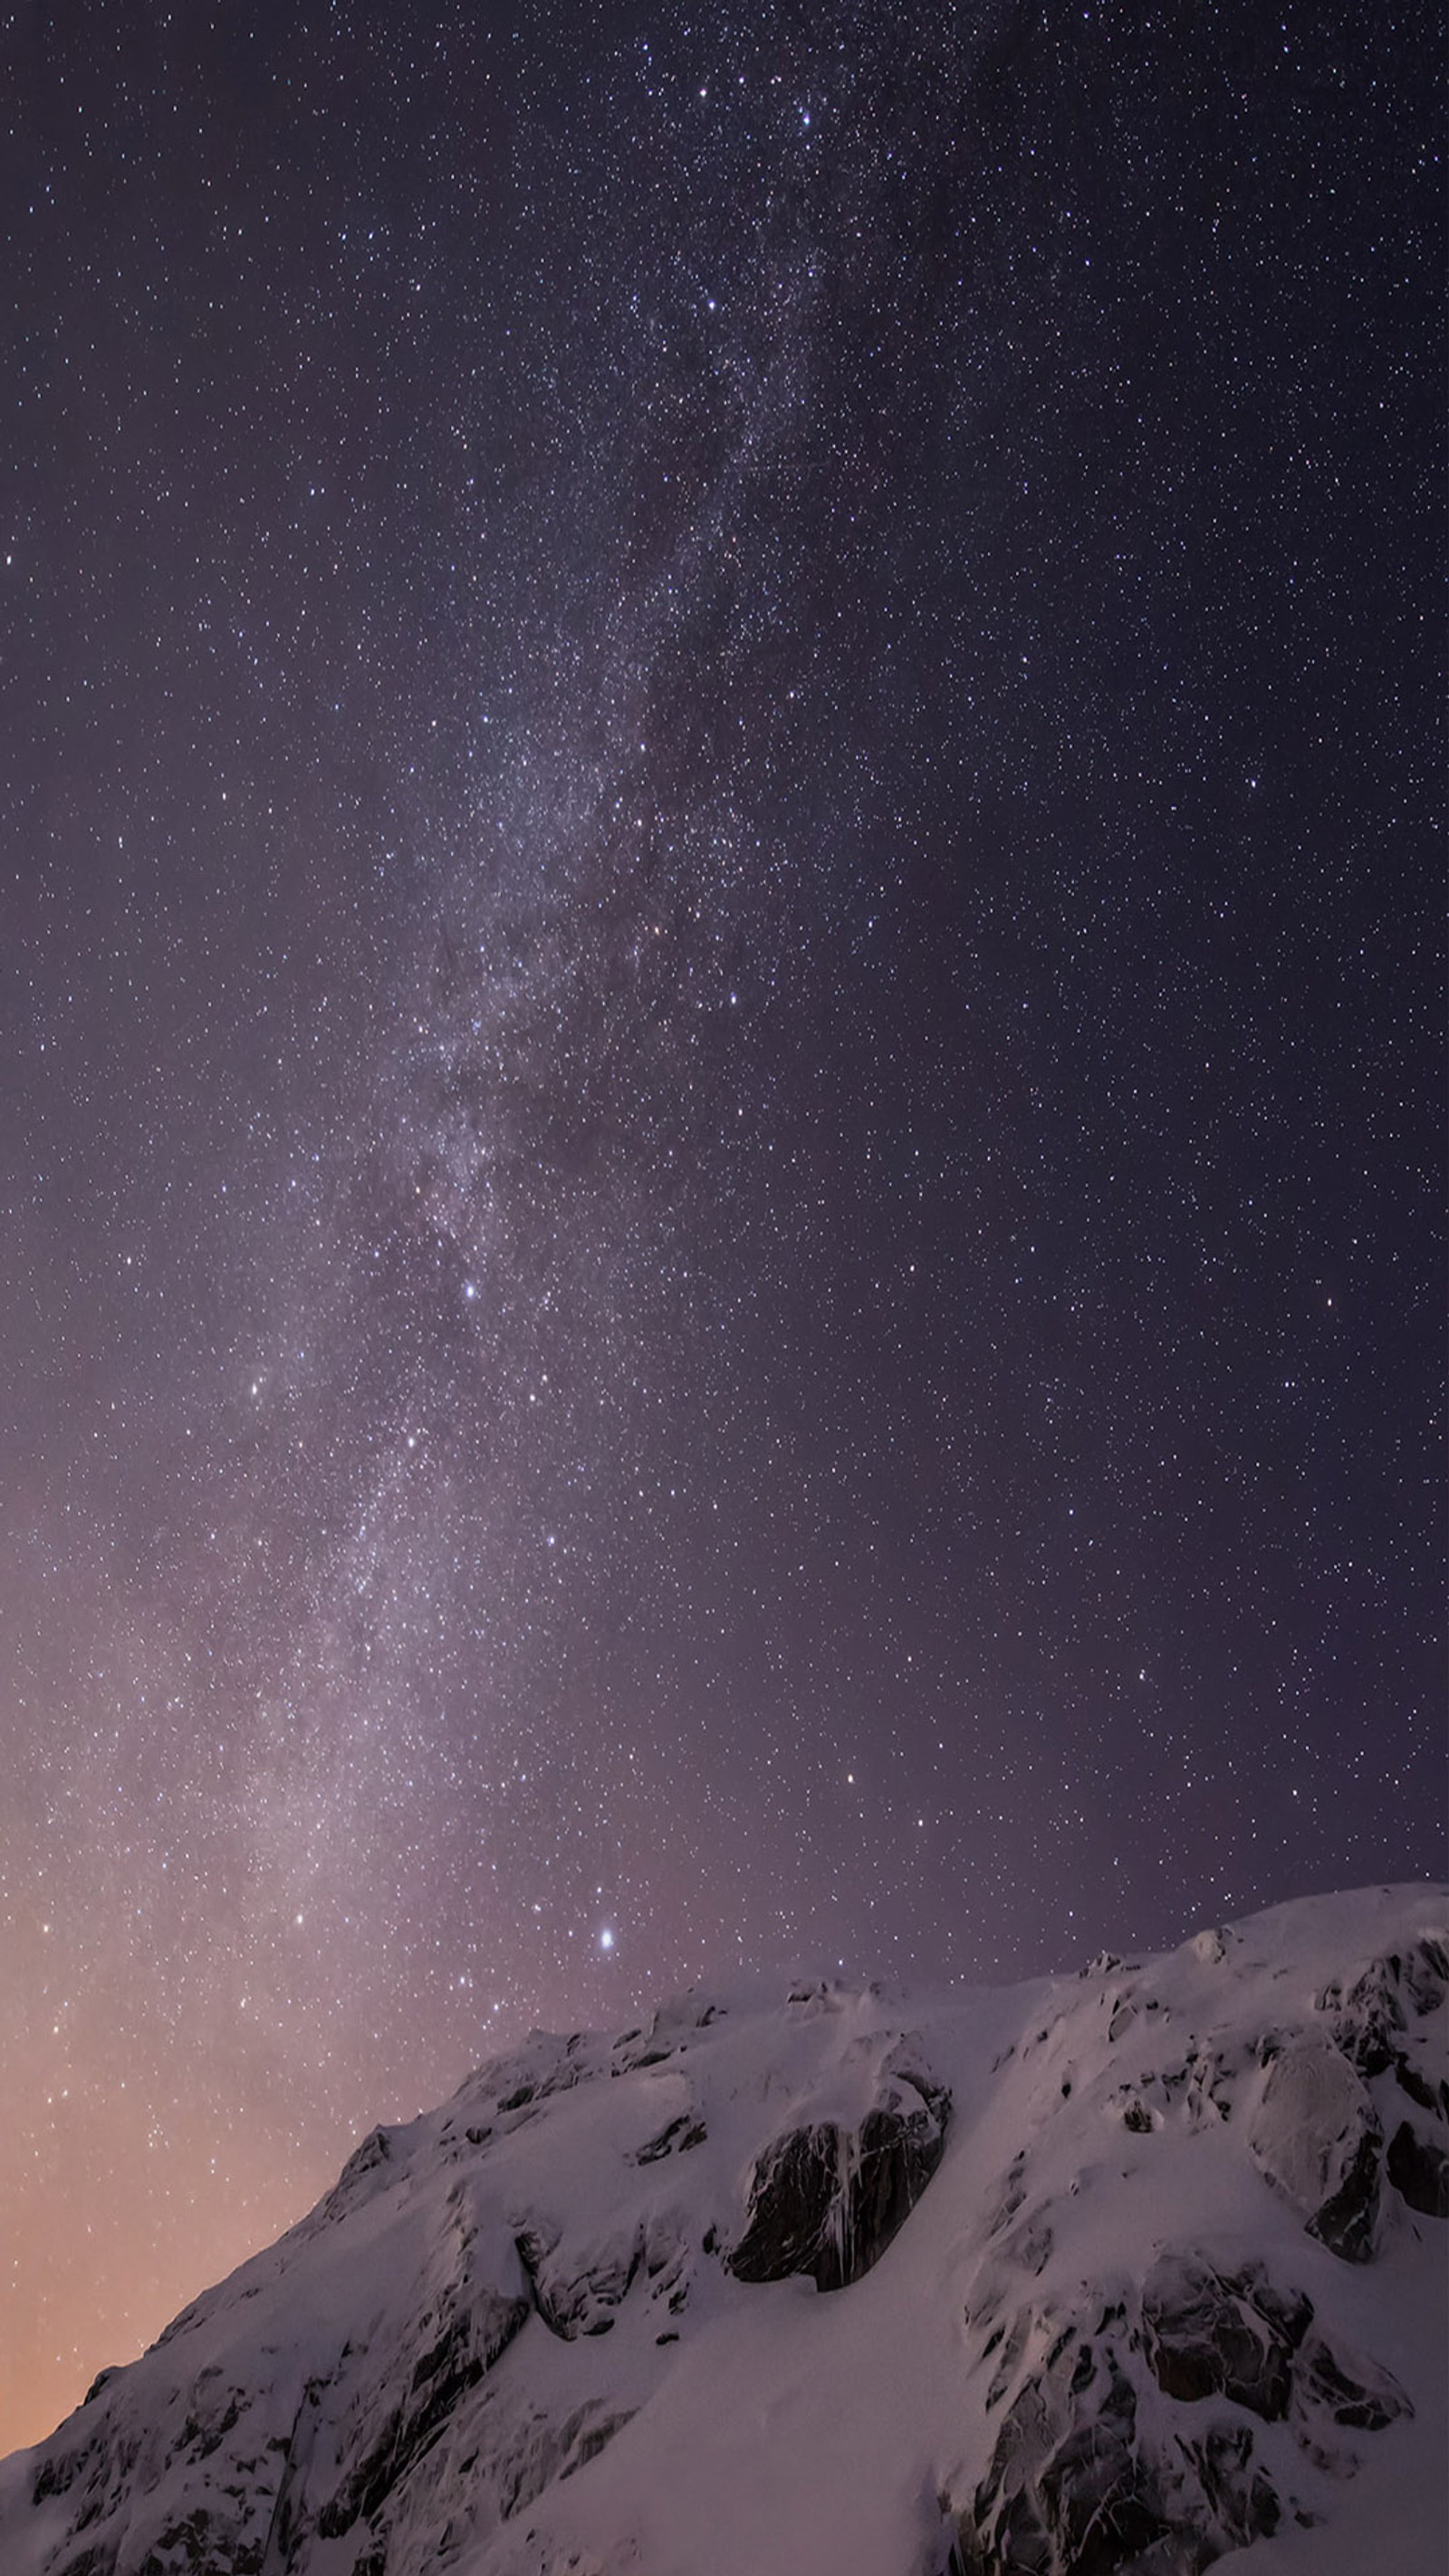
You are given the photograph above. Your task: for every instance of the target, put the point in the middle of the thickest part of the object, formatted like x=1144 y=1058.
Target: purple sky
x=719 y=997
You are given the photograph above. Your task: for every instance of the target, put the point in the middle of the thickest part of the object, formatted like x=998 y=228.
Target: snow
x=570 y=2208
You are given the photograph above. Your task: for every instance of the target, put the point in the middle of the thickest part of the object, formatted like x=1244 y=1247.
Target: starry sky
x=720 y=1116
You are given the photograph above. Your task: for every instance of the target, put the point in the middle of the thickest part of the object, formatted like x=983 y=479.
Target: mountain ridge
x=1135 y=2269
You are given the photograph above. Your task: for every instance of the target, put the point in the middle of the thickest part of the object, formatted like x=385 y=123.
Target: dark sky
x=720 y=1096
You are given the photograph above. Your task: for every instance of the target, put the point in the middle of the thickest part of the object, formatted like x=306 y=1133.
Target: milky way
x=719 y=983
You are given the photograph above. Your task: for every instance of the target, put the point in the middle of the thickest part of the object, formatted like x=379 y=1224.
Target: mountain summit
x=1137 y=2270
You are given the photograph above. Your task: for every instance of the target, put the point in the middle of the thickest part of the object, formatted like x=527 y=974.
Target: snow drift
x=1138 y=2270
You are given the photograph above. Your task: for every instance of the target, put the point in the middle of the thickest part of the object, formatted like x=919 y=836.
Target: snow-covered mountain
x=1140 y=2269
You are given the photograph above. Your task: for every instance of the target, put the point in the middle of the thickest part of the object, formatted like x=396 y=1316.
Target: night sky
x=720 y=1095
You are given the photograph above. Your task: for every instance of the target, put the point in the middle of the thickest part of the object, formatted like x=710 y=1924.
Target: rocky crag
x=1139 y=2271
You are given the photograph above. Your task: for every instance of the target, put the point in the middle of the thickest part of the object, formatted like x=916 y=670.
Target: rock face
x=1316 y=2134
x=1090 y=2473
x=1121 y=2276
x=825 y=2202
x=1076 y=2483
x=1372 y=2015
x=1418 y=2168
x=1206 y=2334
x=1133 y=2427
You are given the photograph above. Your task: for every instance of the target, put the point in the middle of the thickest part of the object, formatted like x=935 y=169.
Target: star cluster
x=720 y=1193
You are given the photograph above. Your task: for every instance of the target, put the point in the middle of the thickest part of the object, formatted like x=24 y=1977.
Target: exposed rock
x=1090 y=2473
x=380 y=2440
x=1206 y=2334
x=675 y=2138
x=826 y=2202
x=1210 y=2080
x=576 y=2297
x=1347 y=2222
x=671 y=2026
x=794 y=2191
x=1419 y=2171
x=1356 y=2393
x=1315 y=2134
x=1241 y=2496
x=1075 y=2487
x=513 y=2089
x=668 y=2263
x=535 y=2451
x=417 y=2377
x=1411 y=2080
x=1373 y=2010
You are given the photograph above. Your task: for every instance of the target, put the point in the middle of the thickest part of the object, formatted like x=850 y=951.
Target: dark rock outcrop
x=579 y=2297
x=1356 y=2394
x=535 y=2451
x=1418 y=2168
x=675 y=2139
x=1089 y=2474
x=1371 y=2012
x=469 y=2339
x=1075 y=2487
x=826 y=2202
x=796 y=2188
x=1347 y=2221
x=1118 y=2370
x=1209 y=2334
x=1316 y=2136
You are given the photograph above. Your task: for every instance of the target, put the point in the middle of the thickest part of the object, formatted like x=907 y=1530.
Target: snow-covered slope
x=1137 y=2270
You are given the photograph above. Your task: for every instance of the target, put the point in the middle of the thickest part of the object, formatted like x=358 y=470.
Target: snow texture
x=1138 y=2270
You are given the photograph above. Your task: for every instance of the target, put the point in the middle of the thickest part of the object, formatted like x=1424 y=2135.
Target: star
x=735 y=677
